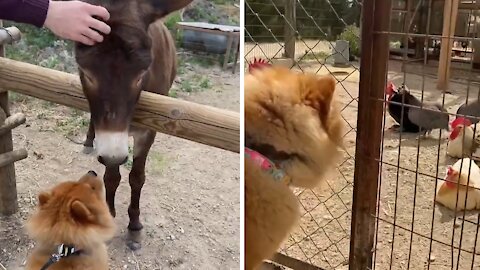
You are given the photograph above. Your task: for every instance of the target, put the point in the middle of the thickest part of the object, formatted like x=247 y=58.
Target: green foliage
x=128 y=165
x=186 y=86
x=223 y=2
x=158 y=162
x=194 y=83
x=315 y=19
x=40 y=47
x=72 y=125
x=315 y=56
x=173 y=93
x=39 y=37
x=352 y=35
x=205 y=61
x=213 y=11
x=172 y=20
x=205 y=83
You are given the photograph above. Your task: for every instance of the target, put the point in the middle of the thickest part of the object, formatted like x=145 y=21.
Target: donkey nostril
x=92 y=173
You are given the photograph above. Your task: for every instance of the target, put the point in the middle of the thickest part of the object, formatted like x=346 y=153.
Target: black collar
x=63 y=251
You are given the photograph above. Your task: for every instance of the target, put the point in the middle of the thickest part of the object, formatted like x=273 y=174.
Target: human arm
x=67 y=19
x=74 y=20
x=24 y=11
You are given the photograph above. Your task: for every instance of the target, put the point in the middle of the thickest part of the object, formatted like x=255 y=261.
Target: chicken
x=431 y=116
x=456 y=182
x=258 y=63
x=461 y=142
x=471 y=109
x=395 y=110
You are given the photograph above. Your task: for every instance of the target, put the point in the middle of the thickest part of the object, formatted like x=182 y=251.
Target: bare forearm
x=24 y=11
x=74 y=20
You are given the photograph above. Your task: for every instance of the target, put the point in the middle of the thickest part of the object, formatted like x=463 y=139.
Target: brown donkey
x=139 y=54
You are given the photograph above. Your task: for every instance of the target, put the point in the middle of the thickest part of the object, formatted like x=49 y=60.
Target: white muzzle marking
x=111 y=145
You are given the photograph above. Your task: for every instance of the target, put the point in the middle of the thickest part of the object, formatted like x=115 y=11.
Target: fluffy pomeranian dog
x=293 y=137
x=70 y=227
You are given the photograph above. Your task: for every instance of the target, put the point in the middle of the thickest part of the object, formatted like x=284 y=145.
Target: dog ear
x=43 y=198
x=80 y=212
x=320 y=93
x=161 y=8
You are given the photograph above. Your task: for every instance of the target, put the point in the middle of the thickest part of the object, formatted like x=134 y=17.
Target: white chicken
x=456 y=182
x=463 y=140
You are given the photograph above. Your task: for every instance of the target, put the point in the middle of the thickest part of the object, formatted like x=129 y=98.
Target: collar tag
x=265 y=164
x=63 y=251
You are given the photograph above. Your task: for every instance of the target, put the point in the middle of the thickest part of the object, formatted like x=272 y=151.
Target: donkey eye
x=88 y=79
x=140 y=79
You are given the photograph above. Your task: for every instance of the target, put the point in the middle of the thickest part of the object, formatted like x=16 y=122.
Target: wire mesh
x=271 y=26
x=414 y=231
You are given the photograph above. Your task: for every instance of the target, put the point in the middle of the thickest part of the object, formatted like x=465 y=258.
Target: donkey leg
x=111 y=180
x=88 y=144
x=143 y=141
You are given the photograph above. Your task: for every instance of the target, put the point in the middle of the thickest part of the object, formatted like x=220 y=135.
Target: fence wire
x=413 y=230
x=323 y=237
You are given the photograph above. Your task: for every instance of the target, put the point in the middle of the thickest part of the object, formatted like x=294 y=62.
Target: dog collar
x=266 y=165
x=63 y=251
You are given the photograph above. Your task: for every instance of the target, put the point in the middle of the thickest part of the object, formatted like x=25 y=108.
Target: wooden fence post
x=8 y=185
x=373 y=72
x=450 y=13
x=290 y=29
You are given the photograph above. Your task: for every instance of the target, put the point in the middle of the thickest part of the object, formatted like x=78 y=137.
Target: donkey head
x=113 y=72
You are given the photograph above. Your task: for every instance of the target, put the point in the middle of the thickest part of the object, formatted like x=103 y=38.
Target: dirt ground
x=414 y=202
x=323 y=236
x=190 y=201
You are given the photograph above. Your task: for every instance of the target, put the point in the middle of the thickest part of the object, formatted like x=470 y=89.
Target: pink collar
x=265 y=164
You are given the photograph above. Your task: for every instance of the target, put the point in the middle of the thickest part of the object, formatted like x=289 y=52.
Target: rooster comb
x=450 y=170
x=257 y=64
x=460 y=121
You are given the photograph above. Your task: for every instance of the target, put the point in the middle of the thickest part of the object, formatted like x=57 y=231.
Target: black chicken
x=415 y=119
x=395 y=110
x=470 y=110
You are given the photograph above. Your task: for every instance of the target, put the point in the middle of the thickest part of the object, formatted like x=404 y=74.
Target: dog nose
x=112 y=161
x=92 y=173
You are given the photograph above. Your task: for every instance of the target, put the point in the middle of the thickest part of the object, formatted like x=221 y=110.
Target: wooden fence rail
x=195 y=122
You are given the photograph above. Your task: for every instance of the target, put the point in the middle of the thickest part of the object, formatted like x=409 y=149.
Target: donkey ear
x=162 y=8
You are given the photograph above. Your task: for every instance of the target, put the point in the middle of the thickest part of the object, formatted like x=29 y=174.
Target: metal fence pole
x=373 y=72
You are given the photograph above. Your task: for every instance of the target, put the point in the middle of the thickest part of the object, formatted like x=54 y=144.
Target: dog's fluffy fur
x=73 y=213
x=291 y=119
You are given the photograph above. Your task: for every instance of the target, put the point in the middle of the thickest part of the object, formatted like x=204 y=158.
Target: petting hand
x=74 y=20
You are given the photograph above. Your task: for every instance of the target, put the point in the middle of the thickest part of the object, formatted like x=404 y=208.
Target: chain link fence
x=303 y=35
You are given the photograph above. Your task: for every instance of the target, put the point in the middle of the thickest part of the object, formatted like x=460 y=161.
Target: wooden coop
x=421 y=33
